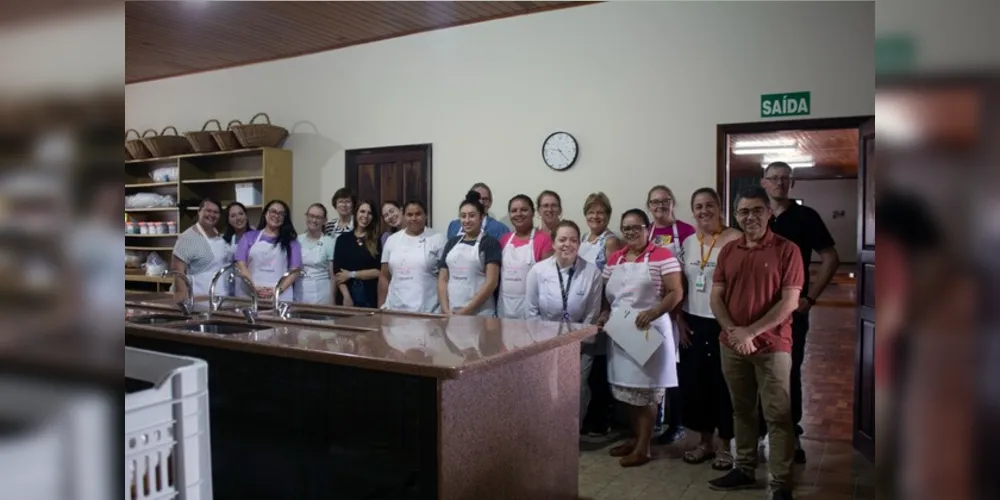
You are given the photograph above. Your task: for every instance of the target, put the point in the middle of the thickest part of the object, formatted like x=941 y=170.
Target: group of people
x=731 y=304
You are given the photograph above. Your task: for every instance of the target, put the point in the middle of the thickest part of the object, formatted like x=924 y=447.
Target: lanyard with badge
x=564 y=288
x=699 y=283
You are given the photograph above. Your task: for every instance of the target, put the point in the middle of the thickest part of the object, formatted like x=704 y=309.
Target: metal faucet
x=249 y=313
x=281 y=308
x=187 y=305
x=215 y=303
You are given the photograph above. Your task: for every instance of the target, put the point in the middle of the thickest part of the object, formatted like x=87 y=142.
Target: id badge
x=699 y=283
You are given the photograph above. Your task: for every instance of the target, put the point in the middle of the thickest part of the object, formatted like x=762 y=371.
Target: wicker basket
x=260 y=135
x=226 y=139
x=201 y=141
x=136 y=149
x=166 y=145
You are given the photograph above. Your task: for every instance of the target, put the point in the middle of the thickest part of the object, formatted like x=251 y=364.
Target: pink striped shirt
x=661 y=263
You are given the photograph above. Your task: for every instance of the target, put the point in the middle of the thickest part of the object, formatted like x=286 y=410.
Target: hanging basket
x=226 y=139
x=166 y=145
x=260 y=135
x=136 y=149
x=201 y=141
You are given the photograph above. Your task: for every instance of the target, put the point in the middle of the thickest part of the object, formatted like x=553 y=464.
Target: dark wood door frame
x=351 y=155
x=864 y=349
x=724 y=130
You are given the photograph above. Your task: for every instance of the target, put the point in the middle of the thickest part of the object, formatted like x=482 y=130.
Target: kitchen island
x=385 y=406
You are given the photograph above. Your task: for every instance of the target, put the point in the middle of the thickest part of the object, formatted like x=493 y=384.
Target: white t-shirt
x=698 y=302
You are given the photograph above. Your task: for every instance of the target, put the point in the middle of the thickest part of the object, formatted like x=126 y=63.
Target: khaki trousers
x=766 y=375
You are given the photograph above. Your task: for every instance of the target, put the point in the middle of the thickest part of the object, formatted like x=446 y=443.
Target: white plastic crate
x=167 y=440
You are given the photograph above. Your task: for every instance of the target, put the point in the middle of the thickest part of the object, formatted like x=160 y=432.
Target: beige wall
x=642 y=85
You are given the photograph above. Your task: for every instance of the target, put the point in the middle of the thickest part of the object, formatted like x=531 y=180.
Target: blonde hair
x=595 y=199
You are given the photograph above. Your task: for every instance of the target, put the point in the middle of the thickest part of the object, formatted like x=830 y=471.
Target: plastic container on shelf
x=248 y=194
x=167 y=440
x=171 y=227
x=131 y=228
x=143 y=228
x=161 y=227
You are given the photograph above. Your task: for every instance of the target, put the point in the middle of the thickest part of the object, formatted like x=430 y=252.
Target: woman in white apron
x=599 y=242
x=629 y=278
x=567 y=288
x=199 y=253
x=522 y=248
x=408 y=280
x=236 y=227
x=266 y=254
x=470 y=268
x=315 y=286
x=667 y=232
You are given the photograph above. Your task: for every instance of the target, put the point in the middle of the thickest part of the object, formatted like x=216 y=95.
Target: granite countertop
x=415 y=344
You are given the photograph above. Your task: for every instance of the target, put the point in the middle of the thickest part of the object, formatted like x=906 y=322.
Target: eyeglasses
x=660 y=202
x=276 y=213
x=633 y=229
x=756 y=212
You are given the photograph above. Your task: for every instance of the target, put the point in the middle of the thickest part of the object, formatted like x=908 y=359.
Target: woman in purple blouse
x=266 y=254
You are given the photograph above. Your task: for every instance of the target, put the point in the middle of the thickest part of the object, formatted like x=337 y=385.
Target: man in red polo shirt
x=756 y=288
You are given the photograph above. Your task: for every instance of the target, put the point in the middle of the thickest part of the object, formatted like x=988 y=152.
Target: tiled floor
x=833 y=471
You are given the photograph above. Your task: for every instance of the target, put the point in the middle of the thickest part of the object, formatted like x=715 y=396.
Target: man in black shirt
x=803 y=226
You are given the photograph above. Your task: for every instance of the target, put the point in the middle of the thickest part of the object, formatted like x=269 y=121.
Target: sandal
x=698 y=455
x=622 y=450
x=723 y=461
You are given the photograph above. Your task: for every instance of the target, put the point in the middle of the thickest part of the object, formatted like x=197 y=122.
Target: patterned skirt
x=638 y=396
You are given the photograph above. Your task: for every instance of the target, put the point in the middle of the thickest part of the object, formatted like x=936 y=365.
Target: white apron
x=630 y=285
x=267 y=263
x=220 y=257
x=591 y=251
x=315 y=281
x=513 y=277
x=466 y=274
x=237 y=288
x=413 y=286
x=677 y=249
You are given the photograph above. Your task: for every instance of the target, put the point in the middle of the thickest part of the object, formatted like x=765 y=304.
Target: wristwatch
x=354 y=274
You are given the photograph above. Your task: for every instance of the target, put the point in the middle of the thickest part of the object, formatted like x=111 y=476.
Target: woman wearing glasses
x=668 y=232
x=266 y=254
x=647 y=279
x=316 y=284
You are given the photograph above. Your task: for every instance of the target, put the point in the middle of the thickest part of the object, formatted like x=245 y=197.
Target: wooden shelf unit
x=213 y=175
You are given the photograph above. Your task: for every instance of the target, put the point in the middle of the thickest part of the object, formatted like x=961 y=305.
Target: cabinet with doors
x=258 y=174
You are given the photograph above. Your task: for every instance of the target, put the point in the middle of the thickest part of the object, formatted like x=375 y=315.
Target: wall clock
x=559 y=151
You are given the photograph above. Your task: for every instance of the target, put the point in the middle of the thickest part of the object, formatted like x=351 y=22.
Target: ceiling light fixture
x=779 y=143
x=765 y=150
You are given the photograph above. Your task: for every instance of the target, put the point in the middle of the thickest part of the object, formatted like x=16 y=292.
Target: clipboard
x=638 y=344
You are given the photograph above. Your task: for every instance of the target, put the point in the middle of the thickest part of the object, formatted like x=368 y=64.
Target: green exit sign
x=787 y=104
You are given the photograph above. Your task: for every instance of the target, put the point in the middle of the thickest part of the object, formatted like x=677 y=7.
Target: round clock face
x=560 y=150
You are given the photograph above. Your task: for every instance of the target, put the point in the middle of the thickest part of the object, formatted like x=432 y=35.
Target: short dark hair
x=343 y=193
x=753 y=193
x=641 y=214
x=416 y=203
x=525 y=199
x=776 y=164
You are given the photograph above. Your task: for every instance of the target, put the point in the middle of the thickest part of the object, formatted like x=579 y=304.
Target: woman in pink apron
x=647 y=279
x=266 y=254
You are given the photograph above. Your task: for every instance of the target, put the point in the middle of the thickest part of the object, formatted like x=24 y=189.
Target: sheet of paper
x=638 y=344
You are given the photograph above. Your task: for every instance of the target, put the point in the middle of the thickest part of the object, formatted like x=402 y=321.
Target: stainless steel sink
x=220 y=328
x=313 y=316
x=154 y=319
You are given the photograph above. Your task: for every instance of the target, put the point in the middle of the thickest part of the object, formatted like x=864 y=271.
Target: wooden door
x=864 y=372
x=398 y=173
